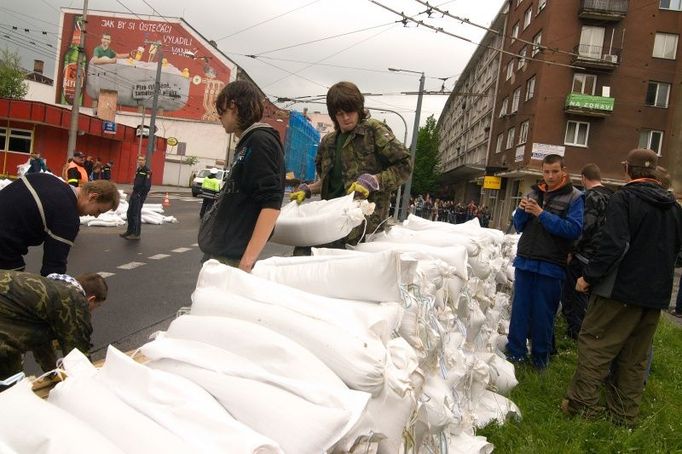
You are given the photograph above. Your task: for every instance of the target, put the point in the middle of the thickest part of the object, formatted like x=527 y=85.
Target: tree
x=427 y=161
x=12 y=84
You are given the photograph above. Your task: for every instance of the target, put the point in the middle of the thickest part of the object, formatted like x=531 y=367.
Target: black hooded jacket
x=256 y=181
x=637 y=246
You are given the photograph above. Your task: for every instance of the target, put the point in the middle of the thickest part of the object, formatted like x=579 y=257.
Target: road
x=149 y=280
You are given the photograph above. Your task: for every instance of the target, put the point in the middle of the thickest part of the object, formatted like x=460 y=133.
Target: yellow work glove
x=364 y=185
x=300 y=194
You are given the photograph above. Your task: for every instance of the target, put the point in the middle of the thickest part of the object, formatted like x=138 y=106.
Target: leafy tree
x=427 y=161
x=12 y=84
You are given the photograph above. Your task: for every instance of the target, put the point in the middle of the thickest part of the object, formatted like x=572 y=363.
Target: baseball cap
x=78 y=154
x=642 y=157
x=213 y=171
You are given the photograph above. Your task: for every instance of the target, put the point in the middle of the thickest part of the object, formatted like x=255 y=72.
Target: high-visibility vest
x=211 y=184
x=81 y=170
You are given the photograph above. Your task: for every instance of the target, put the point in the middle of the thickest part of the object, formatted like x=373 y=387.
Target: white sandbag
x=278 y=407
x=131 y=431
x=437 y=406
x=373 y=277
x=464 y=443
x=437 y=238
x=105 y=223
x=180 y=406
x=502 y=374
x=31 y=425
x=358 y=360
x=453 y=255
x=274 y=352
x=361 y=317
x=491 y=407
x=319 y=222
x=471 y=227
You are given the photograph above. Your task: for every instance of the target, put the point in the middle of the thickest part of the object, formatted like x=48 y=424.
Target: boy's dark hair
x=591 y=172
x=94 y=285
x=106 y=192
x=248 y=99
x=345 y=96
x=554 y=158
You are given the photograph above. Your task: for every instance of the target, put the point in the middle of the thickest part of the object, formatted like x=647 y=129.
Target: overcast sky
x=261 y=26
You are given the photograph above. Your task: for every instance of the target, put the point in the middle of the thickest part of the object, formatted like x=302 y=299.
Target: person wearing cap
x=76 y=175
x=210 y=188
x=141 y=186
x=35 y=310
x=630 y=276
x=40 y=209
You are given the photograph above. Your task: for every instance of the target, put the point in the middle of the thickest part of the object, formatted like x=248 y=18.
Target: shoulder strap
x=41 y=210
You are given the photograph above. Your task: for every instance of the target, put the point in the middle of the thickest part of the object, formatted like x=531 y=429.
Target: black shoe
x=132 y=237
x=125 y=235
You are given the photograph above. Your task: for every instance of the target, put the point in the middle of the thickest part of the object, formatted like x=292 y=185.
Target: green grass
x=545 y=429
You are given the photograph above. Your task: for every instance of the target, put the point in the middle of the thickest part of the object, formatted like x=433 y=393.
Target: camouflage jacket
x=370 y=148
x=34 y=311
x=596 y=201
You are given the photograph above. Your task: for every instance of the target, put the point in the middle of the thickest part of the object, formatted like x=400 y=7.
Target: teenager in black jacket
x=243 y=217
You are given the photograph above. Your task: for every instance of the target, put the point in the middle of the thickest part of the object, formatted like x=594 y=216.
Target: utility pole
x=75 y=107
x=151 y=139
x=413 y=149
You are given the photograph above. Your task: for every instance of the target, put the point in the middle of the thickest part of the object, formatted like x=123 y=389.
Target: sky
x=373 y=39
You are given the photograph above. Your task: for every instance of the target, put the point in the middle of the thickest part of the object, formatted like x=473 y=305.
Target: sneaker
x=674 y=313
x=132 y=237
x=124 y=235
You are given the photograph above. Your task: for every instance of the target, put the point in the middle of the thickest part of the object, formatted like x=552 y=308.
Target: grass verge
x=544 y=429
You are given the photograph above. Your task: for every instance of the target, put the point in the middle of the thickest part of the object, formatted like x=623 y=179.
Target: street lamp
x=415 y=133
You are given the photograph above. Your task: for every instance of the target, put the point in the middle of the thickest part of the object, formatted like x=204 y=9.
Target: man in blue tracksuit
x=550 y=218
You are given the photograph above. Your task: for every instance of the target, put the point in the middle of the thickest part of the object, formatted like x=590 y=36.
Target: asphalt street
x=149 y=280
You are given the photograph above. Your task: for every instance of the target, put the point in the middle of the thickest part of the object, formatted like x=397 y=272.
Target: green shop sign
x=581 y=101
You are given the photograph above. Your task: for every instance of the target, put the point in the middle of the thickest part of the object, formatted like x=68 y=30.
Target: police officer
x=141 y=186
x=210 y=188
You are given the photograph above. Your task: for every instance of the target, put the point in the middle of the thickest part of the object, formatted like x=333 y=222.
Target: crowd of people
x=449 y=211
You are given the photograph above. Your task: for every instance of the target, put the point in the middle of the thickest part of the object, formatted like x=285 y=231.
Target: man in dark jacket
x=631 y=278
x=41 y=209
x=36 y=310
x=550 y=218
x=141 y=185
x=244 y=215
x=36 y=164
x=573 y=303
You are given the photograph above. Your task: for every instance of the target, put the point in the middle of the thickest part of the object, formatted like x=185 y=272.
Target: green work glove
x=300 y=194
x=364 y=185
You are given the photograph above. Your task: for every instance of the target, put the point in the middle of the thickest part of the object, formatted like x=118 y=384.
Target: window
x=584 y=83
x=522 y=58
x=516 y=99
x=657 y=94
x=17 y=140
x=591 y=42
x=577 y=133
x=537 y=44
x=530 y=88
x=527 y=17
x=665 y=46
x=675 y=5
x=523 y=132
x=541 y=5
x=651 y=139
x=498 y=145
x=515 y=32
x=503 y=108
x=510 y=69
x=510 y=137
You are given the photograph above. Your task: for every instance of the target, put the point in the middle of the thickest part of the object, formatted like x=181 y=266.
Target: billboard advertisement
x=123 y=54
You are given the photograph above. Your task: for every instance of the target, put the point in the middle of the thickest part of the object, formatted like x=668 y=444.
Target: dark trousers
x=134 y=213
x=573 y=303
x=678 y=303
x=613 y=349
x=206 y=205
x=536 y=300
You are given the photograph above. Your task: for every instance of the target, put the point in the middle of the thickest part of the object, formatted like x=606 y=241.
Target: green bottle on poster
x=71 y=64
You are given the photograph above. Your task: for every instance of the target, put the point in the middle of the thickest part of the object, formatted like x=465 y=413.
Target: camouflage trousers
x=613 y=348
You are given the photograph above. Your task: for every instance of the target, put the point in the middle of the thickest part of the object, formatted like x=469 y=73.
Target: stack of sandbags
x=152 y=213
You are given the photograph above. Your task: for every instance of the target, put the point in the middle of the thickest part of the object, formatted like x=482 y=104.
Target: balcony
x=596 y=57
x=603 y=10
x=588 y=105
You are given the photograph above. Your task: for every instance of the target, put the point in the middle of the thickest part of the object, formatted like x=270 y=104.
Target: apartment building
x=589 y=80
x=465 y=122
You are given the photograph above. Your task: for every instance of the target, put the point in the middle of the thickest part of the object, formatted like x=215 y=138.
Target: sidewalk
x=159 y=189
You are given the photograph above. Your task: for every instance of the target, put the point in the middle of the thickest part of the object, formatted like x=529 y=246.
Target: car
x=199 y=179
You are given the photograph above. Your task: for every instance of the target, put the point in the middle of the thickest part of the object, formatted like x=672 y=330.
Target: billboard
x=122 y=55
